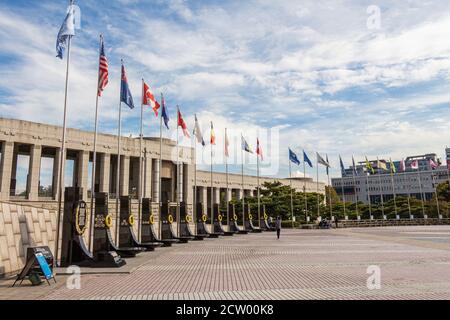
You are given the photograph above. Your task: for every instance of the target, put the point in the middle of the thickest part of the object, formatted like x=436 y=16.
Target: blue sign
x=44 y=266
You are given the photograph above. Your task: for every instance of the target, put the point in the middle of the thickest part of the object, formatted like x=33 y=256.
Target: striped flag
x=102 y=69
x=293 y=157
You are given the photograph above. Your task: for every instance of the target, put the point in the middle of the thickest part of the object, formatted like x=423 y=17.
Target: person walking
x=278 y=226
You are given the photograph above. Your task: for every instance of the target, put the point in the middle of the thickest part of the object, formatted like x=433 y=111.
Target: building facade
x=30 y=152
x=356 y=184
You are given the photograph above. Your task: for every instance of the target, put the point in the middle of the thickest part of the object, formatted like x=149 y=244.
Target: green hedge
x=288 y=224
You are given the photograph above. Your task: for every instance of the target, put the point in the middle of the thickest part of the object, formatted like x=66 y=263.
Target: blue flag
x=293 y=157
x=306 y=159
x=66 y=31
x=342 y=166
x=164 y=114
x=125 y=93
x=245 y=145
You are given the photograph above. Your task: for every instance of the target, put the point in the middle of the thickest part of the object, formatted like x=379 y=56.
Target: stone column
x=83 y=172
x=173 y=180
x=216 y=194
x=228 y=194
x=5 y=169
x=34 y=172
x=147 y=180
x=105 y=167
x=239 y=194
x=56 y=184
x=155 y=179
x=203 y=197
x=188 y=183
x=124 y=175
x=180 y=169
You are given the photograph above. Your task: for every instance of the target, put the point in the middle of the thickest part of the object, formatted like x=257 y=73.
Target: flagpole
x=94 y=155
x=393 y=187
x=177 y=194
x=212 y=184
x=381 y=187
x=141 y=167
x=368 y=194
x=160 y=166
x=257 y=182
x=329 y=193
x=435 y=193
x=194 y=205
x=118 y=169
x=62 y=153
x=394 y=193
x=354 y=187
x=304 y=189
x=317 y=186
x=242 y=176
x=421 y=191
x=226 y=179
x=447 y=165
x=292 y=200
x=343 y=194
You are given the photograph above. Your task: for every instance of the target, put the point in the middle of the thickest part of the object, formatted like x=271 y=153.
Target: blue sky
x=309 y=70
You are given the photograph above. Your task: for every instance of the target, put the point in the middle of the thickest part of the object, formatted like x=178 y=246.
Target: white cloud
x=311 y=68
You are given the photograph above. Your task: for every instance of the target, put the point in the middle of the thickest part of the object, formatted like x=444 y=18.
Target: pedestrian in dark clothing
x=278 y=226
x=336 y=221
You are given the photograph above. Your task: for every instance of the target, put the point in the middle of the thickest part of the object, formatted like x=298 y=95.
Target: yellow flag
x=369 y=166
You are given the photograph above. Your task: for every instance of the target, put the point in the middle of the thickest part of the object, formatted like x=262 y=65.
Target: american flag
x=103 y=70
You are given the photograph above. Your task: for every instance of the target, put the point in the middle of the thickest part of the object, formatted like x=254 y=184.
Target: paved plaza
x=304 y=264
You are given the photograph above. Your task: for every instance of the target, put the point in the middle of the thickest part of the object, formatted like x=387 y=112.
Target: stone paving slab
x=303 y=264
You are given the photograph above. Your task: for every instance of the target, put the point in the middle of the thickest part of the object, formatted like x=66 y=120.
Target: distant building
x=357 y=184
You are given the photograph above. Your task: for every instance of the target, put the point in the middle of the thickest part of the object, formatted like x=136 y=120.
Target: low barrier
x=393 y=222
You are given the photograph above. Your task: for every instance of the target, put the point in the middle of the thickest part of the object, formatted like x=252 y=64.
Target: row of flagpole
x=64 y=38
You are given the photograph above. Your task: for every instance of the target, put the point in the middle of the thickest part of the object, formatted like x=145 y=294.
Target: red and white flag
x=433 y=164
x=259 y=149
x=102 y=69
x=448 y=164
x=415 y=165
x=148 y=99
x=183 y=125
x=213 y=135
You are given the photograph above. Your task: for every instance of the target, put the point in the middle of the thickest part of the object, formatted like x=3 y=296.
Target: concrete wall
x=20 y=228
